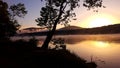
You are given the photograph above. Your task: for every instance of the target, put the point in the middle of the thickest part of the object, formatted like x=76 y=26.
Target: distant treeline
x=111 y=29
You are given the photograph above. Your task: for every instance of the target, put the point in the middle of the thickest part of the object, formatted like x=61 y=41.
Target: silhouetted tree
x=8 y=21
x=60 y=12
x=59 y=43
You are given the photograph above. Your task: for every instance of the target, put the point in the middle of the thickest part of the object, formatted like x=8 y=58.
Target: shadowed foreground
x=25 y=54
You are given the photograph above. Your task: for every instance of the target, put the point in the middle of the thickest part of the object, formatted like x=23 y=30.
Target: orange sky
x=83 y=16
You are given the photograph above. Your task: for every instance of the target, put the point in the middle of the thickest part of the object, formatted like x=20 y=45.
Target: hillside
x=70 y=30
x=110 y=29
x=31 y=28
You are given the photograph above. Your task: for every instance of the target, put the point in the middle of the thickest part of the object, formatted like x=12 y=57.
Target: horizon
x=74 y=26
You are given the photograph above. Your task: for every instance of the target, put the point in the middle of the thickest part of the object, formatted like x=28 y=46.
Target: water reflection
x=101 y=44
x=100 y=50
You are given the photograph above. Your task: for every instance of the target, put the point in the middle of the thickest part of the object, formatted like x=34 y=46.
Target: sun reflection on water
x=101 y=44
x=104 y=50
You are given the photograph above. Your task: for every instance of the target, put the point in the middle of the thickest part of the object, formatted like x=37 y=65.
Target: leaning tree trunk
x=51 y=33
x=49 y=37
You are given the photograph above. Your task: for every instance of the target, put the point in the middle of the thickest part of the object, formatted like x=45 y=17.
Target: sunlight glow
x=99 y=20
x=101 y=44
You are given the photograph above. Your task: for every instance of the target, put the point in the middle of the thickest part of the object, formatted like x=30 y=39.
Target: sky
x=84 y=17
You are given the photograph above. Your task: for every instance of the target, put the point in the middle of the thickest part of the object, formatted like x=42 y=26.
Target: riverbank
x=24 y=54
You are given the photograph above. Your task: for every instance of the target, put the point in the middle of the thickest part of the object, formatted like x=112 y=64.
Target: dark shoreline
x=25 y=54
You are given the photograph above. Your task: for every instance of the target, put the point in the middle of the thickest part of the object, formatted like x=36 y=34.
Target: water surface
x=106 y=54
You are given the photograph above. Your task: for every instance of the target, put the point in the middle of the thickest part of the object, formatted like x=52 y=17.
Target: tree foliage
x=8 y=21
x=61 y=12
x=18 y=10
x=57 y=9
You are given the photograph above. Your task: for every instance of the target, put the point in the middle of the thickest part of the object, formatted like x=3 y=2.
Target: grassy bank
x=25 y=54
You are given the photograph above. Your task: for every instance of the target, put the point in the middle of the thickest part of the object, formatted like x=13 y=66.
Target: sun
x=98 y=22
